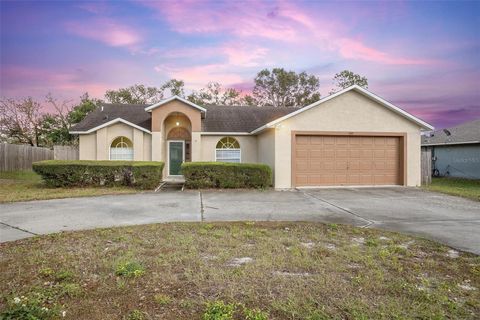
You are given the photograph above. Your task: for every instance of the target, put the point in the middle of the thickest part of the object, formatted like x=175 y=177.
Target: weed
x=371 y=242
x=332 y=226
x=219 y=310
x=162 y=299
x=47 y=272
x=131 y=269
x=25 y=308
x=254 y=314
x=475 y=270
x=135 y=315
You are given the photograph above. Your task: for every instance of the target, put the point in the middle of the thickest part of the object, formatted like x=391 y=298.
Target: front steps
x=171 y=184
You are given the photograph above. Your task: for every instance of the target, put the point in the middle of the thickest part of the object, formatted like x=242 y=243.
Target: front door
x=176 y=156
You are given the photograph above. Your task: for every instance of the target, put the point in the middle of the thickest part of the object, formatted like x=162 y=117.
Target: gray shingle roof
x=464 y=133
x=240 y=118
x=218 y=118
x=133 y=113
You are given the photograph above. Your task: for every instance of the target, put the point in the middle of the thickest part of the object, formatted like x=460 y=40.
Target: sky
x=423 y=56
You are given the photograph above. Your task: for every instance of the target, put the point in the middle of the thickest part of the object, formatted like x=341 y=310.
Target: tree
x=215 y=94
x=136 y=94
x=347 y=78
x=281 y=88
x=176 y=87
x=56 y=126
x=20 y=121
x=248 y=100
x=80 y=111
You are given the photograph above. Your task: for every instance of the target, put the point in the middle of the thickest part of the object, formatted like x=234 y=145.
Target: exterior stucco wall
x=462 y=161
x=248 y=146
x=266 y=148
x=87 y=146
x=96 y=146
x=349 y=112
x=161 y=113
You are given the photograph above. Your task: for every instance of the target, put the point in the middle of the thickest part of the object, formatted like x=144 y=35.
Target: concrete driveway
x=450 y=220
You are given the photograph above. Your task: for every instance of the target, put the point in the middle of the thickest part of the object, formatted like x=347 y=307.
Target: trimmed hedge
x=79 y=173
x=226 y=175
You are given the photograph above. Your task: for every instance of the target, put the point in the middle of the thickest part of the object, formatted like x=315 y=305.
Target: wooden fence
x=21 y=156
x=65 y=153
x=426 y=164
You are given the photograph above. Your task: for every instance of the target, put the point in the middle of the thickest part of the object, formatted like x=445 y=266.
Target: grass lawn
x=27 y=185
x=238 y=270
x=458 y=187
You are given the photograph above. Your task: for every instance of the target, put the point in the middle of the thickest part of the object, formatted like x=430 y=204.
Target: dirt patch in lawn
x=183 y=271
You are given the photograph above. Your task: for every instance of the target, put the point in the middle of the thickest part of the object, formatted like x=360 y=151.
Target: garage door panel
x=347 y=160
x=302 y=180
x=329 y=154
x=378 y=154
x=302 y=154
x=341 y=179
x=315 y=154
x=328 y=165
x=316 y=140
x=341 y=165
x=301 y=166
x=303 y=140
x=341 y=154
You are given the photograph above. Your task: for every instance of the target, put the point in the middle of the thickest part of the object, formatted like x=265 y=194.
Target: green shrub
x=80 y=173
x=226 y=175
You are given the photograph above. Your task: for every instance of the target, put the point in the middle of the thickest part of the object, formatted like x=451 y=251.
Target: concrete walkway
x=450 y=220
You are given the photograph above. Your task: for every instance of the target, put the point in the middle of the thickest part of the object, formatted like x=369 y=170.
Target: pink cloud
x=353 y=49
x=106 y=31
x=282 y=21
x=41 y=81
x=197 y=76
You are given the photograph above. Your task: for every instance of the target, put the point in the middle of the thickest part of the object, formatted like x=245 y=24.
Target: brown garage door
x=347 y=160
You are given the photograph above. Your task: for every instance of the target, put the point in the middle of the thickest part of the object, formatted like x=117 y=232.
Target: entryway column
x=196 y=146
x=157 y=146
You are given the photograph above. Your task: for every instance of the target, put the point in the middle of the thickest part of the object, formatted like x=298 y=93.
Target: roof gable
x=107 y=114
x=159 y=104
x=360 y=90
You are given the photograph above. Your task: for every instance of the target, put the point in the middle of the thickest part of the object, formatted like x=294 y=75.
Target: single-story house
x=455 y=151
x=352 y=137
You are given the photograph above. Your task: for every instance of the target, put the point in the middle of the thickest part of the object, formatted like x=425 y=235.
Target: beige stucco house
x=352 y=137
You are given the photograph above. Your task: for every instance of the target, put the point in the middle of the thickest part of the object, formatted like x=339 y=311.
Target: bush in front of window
x=226 y=175
x=81 y=173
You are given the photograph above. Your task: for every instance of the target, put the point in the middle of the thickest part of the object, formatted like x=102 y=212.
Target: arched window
x=121 y=149
x=228 y=150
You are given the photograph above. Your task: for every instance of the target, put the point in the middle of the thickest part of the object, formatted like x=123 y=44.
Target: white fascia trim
x=109 y=123
x=359 y=89
x=225 y=133
x=448 y=143
x=158 y=104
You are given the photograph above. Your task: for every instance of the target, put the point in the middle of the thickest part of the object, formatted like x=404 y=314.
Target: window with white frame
x=121 y=149
x=228 y=150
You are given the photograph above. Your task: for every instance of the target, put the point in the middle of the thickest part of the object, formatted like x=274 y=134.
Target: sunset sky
x=422 y=56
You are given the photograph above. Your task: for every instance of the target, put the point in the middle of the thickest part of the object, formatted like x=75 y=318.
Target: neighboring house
x=352 y=137
x=456 y=150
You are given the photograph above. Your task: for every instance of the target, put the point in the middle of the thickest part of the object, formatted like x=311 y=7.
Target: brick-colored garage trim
x=401 y=135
